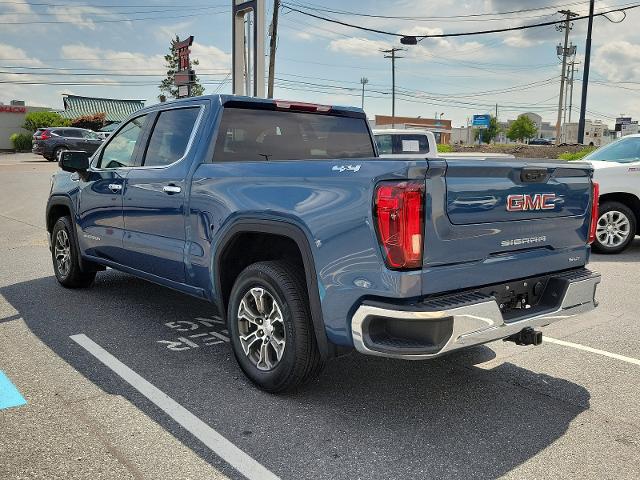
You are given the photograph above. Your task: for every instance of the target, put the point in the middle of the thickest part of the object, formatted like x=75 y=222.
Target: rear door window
x=170 y=137
x=73 y=133
x=254 y=135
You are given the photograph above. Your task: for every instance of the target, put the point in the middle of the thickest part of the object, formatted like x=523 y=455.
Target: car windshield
x=625 y=150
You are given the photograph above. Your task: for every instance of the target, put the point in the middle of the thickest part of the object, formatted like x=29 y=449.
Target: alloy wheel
x=62 y=252
x=613 y=228
x=261 y=328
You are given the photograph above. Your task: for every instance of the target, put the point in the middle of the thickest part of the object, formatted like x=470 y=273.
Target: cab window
x=119 y=152
x=170 y=136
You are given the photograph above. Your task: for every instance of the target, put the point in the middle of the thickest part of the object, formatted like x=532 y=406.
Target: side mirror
x=74 y=161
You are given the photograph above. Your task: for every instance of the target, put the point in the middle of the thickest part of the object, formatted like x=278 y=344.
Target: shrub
x=92 y=122
x=579 y=155
x=444 y=148
x=21 y=142
x=36 y=120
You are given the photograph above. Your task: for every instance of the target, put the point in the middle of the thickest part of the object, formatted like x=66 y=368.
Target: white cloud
x=14 y=12
x=359 y=46
x=17 y=55
x=81 y=15
x=618 y=61
x=168 y=32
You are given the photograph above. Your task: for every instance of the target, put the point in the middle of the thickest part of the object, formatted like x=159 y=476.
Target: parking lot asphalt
x=567 y=409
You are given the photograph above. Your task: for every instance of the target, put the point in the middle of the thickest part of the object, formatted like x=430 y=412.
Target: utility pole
x=573 y=71
x=585 y=75
x=363 y=81
x=564 y=50
x=272 y=47
x=392 y=55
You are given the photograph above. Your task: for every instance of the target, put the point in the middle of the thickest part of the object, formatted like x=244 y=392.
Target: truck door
x=155 y=199
x=101 y=191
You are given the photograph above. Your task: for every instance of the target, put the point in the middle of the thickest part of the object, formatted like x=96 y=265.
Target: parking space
x=496 y=411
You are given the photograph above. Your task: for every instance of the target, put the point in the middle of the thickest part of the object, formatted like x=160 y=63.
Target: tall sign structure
x=184 y=76
x=248 y=47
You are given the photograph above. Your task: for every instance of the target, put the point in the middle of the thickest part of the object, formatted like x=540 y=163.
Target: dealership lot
x=128 y=379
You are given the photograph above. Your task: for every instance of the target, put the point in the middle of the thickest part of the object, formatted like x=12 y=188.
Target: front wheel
x=270 y=326
x=615 y=229
x=66 y=264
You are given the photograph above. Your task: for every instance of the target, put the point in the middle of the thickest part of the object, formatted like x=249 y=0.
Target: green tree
x=489 y=133
x=168 y=85
x=523 y=128
x=36 y=120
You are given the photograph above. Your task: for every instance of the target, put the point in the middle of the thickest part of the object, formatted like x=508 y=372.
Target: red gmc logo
x=523 y=203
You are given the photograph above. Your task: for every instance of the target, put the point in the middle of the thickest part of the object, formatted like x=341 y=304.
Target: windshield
x=625 y=150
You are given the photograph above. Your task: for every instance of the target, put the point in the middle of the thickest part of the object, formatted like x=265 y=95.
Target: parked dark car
x=540 y=141
x=38 y=133
x=50 y=142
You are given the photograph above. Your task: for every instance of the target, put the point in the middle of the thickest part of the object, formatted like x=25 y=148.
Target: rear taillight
x=595 y=190
x=44 y=135
x=399 y=211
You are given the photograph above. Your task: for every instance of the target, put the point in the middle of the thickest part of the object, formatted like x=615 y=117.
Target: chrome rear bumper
x=469 y=318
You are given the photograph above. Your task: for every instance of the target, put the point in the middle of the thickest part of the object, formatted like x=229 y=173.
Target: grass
x=444 y=148
x=579 y=155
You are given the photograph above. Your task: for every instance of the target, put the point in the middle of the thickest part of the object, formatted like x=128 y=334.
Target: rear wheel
x=270 y=326
x=57 y=152
x=66 y=264
x=615 y=229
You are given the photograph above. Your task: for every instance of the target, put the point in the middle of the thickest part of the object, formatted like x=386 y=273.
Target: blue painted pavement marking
x=9 y=394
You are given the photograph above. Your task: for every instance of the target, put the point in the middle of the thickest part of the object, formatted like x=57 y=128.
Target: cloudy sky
x=115 y=49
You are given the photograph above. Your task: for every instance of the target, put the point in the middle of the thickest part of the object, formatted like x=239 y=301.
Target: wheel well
x=250 y=247
x=627 y=199
x=55 y=212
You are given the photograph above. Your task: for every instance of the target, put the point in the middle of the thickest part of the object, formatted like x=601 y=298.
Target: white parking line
x=604 y=353
x=222 y=447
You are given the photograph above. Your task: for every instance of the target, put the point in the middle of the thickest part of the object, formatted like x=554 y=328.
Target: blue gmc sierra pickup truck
x=309 y=244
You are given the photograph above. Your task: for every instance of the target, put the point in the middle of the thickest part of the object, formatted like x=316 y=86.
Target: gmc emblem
x=526 y=202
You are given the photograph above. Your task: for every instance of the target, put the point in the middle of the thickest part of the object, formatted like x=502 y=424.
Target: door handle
x=171 y=189
x=115 y=187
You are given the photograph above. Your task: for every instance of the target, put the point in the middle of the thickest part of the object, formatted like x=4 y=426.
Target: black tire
x=56 y=153
x=300 y=360
x=611 y=206
x=69 y=274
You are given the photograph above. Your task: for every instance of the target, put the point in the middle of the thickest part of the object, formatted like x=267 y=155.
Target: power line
x=89 y=21
x=457 y=34
x=434 y=18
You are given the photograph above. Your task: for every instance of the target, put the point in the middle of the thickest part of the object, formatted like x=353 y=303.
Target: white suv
x=617 y=170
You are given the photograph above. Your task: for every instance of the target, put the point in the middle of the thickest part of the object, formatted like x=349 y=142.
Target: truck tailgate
x=490 y=191
x=494 y=220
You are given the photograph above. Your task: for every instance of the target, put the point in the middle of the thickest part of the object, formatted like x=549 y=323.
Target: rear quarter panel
x=332 y=208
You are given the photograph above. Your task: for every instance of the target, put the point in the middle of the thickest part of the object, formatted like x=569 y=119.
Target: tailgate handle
x=534 y=175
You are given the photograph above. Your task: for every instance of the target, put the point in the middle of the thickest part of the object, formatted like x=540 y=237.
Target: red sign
x=12 y=109
x=183 y=52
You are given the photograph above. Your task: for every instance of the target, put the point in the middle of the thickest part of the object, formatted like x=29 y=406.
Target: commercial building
x=116 y=110
x=543 y=129
x=441 y=128
x=12 y=119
